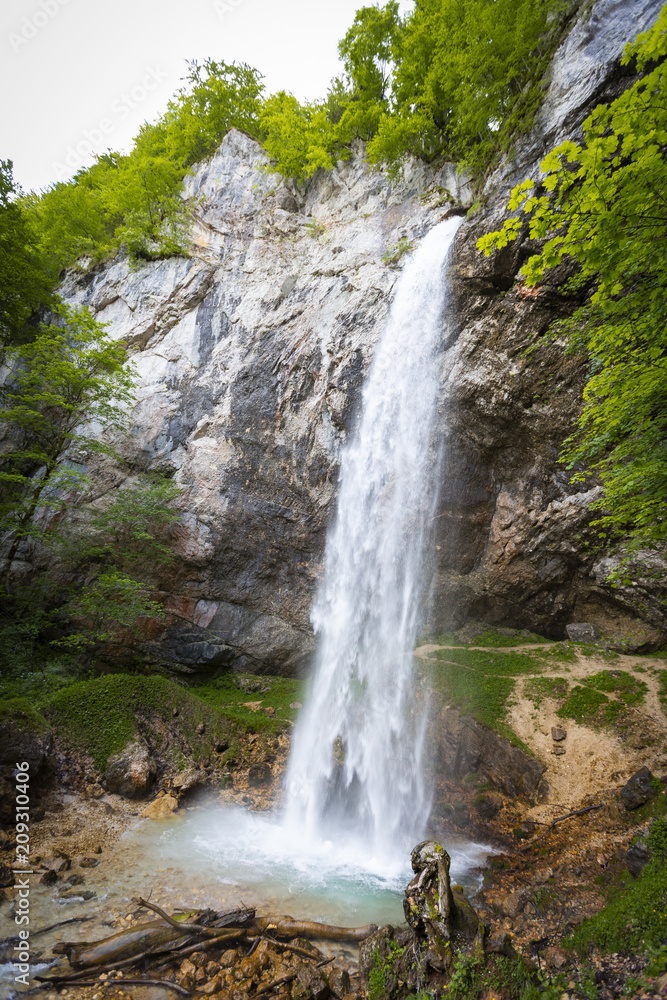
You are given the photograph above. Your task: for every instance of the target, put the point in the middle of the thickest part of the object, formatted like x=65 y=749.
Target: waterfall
x=355 y=770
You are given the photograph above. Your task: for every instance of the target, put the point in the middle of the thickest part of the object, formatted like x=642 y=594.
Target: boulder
x=582 y=632
x=636 y=859
x=638 y=790
x=24 y=736
x=162 y=807
x=131 y=772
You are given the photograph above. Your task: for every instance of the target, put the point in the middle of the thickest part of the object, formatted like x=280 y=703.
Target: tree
x=70 y=377
x=25 y=284
x=467 y=78
x=113 y=602
x=125 y=529
x=301 y=138
x=603 y=205
x=368 y=50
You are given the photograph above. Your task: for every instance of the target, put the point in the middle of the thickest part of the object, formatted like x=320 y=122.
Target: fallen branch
x=559 y=819
x=288 y=927
x=61 y=923
x=179 y=925
x=285 y=945
x=126 y=982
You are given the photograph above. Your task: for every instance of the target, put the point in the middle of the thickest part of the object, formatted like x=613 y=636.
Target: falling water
x=356 y=767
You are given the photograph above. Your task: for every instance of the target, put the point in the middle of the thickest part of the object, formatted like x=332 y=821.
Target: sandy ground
x=593 y=758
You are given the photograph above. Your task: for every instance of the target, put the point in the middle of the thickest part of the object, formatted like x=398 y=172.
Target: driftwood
x=175 y=936
x=287 y=927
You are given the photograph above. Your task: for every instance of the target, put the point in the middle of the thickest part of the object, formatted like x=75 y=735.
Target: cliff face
x=252 y=354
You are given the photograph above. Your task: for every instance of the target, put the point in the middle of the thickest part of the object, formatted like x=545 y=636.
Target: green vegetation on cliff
x=601 y=206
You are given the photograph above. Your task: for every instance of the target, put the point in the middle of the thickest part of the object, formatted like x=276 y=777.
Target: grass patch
x=590 y=707
x=539 y=688
x=561 y=652
x=489 y=638
x=485 y=698
x=661 y=677
x=635 y=918
x=231 y=693
x=625 y=685
x=102 y=715
x=497 y=664
x=24 y=713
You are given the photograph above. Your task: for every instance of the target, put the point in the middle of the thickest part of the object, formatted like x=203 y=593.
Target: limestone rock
x=162 y=807
x=465 y=747
x=638 y=790
x=582 y=632
x=131 y=772
x=252 y=355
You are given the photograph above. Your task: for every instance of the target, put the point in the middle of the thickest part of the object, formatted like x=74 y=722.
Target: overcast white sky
x=75 y=73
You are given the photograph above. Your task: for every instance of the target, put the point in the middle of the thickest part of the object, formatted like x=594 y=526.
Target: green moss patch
x=628 y=688
x=102 y=715
x=232 y=694
x=539 y=688
x=22 y=713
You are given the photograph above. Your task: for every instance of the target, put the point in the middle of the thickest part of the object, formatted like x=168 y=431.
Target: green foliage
x=25 y=284
x=635 y=918
x=111 y=603
x=125 y=528
x=68 y=376
x=135 y=199
x=394 y=253
x=231 y=694
x=102 y=715
x=220 y=96
x=465 y=978
x=368 y=50
x=381 y=969
x=602 y=205
x=466 y=77
x=539 y=688
x=300 y=138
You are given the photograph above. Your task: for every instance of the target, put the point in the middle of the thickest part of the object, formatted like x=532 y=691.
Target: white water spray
x=356 y=769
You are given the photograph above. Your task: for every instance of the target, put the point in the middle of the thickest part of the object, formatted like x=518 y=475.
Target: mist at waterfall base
x=357 y=799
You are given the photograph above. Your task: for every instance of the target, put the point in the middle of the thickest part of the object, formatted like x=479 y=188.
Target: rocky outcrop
x=252 y=353
x=131 y=772
x=464 y=748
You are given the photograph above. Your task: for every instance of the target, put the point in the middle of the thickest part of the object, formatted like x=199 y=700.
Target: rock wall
x=252 y=353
